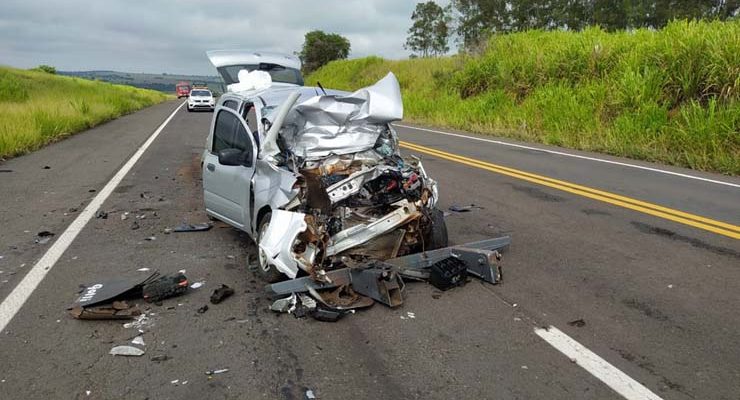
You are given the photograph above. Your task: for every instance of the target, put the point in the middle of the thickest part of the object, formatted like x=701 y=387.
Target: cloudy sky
x=171 y=36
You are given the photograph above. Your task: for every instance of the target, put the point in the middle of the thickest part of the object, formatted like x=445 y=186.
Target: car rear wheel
x=267 y=271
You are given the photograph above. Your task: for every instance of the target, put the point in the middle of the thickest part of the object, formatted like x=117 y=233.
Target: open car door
x=228 y=167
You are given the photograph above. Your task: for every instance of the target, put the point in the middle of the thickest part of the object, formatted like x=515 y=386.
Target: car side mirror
x=230 y=157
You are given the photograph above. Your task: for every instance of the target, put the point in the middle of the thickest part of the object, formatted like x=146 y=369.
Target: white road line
x=15 y=300
x=620 y=382
x=560 y=153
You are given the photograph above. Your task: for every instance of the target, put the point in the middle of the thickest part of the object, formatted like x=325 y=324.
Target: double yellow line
x=707 y=224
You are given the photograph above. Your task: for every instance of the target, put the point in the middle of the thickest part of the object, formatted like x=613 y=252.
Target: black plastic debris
x=43 y=237
x=202 y=309
x=165 y=287
x=579 y=323
x=47 y=167
x=193 y=227
x=461 y=209
x=221 y=293
x=106 y=291
x=326 y=314
x=101 y=214
x=448 y=273
x=6 y=170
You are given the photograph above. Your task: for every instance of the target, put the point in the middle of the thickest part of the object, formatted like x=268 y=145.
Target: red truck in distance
x=182 y=89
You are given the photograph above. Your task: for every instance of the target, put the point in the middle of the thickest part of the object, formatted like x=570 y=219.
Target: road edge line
x=598 y=367
x=23 y=290
x=562 y=153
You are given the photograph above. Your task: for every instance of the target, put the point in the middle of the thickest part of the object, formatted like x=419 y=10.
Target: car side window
x=242 y=142
x=223 y=132
x=229 y=133
x=231 y=104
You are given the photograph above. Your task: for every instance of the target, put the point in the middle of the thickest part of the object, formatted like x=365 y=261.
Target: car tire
x=189 y=109
x=268 y=272
x=436 y=237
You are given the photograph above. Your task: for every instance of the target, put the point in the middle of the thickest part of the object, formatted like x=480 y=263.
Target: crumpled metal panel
x=277 y=243
x=343 y=124
x=362 y=233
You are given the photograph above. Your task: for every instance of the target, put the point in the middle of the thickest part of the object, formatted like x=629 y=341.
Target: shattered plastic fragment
x=197 y=285
x=126 y=351
x=284 y=305
x=193 y=227
x=217 y=371
x=139 y=340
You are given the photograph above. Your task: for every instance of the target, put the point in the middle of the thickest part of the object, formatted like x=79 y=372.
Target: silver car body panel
x=329 y=145
x=225 y=58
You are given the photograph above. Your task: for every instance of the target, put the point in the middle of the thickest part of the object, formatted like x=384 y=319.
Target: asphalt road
x=658 y=298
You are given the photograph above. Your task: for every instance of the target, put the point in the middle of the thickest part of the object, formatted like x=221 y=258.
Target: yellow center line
x=685 y=218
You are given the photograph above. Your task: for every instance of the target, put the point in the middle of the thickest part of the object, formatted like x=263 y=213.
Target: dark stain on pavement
x=646 y=309
x=593 y=211
x=654 y=230
x=536 y=193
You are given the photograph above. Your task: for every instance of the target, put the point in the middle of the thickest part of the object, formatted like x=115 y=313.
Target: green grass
x=670 y=96
x=37 y=108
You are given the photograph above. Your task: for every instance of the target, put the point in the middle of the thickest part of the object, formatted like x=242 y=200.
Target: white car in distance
x=201 y=99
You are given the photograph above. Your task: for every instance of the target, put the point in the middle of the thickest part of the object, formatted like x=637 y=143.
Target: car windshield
x=278 y=73
x=200 y=93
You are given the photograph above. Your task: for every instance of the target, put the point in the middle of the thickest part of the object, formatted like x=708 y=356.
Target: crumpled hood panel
x=343 y=124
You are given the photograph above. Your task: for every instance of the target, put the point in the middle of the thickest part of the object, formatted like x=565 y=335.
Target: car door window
x=223 y=132
x=242 y=142
x=231 y=104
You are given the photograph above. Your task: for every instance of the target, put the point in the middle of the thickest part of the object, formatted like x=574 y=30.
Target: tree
x=429 y=34
x=46 y=68
x=320 y=47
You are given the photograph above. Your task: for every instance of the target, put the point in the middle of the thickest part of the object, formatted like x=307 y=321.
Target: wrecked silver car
x=314 y=176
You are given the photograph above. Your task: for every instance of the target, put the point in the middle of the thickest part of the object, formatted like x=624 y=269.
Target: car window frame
x=250 y=139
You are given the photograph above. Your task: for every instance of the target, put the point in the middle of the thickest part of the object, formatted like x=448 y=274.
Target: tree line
x=473 y=21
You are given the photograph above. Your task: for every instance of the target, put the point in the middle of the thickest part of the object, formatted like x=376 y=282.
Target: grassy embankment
x=37 y=108
x=671 y=96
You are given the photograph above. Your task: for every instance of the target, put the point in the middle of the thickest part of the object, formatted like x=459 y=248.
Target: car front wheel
x=267 y=271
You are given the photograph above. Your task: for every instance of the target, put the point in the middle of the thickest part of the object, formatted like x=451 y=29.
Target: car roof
x=223 y=58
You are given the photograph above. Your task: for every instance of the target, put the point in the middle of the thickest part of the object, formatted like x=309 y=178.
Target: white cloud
x=172 y=36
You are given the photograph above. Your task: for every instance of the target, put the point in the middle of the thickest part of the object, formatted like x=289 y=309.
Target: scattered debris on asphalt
x=579 y=323
x=150 y=238
x=118 y=310
x=139 y=340
x=47 y=167
x=164 y=287
x=124 y=216
x=110 y=299
x=101 y=214
x=221 y=293
x=160 y=358
x=43 y=237
x=217 y=371
x=143 y=269
x=197 y=285
x=203 y=309
x=310 y=395
x=167 y=231
x=129 y=351
x=141 y=323
x=5 y=170
x=185 y=227
x=135 y=226
x=462 y=209
x=342 y=291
